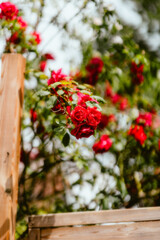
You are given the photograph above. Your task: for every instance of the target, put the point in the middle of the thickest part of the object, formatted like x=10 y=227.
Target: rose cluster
x=85 y=120
x=145 y=119
x=137 y=73
x=8 y=11
x=138 y=133
x=103 y=145
x=17 y=27
x=79 y=107
x=94 y=68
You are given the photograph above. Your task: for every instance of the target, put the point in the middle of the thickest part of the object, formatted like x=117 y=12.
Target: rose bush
x=117 y=160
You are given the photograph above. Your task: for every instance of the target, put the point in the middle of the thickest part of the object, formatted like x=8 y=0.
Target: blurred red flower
x=103 y=145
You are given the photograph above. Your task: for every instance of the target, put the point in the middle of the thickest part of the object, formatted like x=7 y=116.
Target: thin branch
x=64 y=25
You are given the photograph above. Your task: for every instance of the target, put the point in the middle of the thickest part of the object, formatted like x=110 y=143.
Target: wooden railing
x=123 y=224
x=11 y=100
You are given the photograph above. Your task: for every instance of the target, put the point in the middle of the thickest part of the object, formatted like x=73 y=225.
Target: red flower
x=111 y=118
x=137 y=73
x=115 y=98
x=104 y=121
x=22 y=23
x=43 y=65
x=123 y=103
x=138 y=133
x=78 y=115
x=36 y=37
x=83 y=98
x=82 y=130
x=109 y=92
x=33 y=115
x=49 y=56
x=145 y=119
x=14 y=38
x=93 y=116
x=103 y=145
x=95 y=65
x=8 y=11
x=92 y=79
x=56 y=77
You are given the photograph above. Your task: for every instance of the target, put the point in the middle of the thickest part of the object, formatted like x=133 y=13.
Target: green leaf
x=54 y=85
x=99 y=99
x=51 y=102
x=43 y=76
x=93 y=104
x=42 y=93
x=66 y=140
x=60 y=92
x=86 y=92
x=81 y=87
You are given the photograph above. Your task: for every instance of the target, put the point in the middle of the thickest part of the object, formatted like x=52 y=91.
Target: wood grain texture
x=128 y=231
x=34 y=234
x=11 y=101
x=108 y=216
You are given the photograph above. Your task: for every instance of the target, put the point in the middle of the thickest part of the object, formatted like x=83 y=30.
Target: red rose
x=56 y=77
x=145 y=119
x=82 y=130
x=78 y=115
x=92 y=79
x=115 y=98
x=95 y=65
x=93 y=116
x=104 y=121
x=138 y=133
x=83 y=98
x=123 y=103
x=8 y=11
x=111 y=118
x=49 y=56
x=22 y=23
x=36 y=37
x=103 y=145
x=43 y=65
x=109 y=92
x=14 y=38
x=33 y=115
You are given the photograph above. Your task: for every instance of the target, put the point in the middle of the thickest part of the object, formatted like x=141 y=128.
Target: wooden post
x=11 y=101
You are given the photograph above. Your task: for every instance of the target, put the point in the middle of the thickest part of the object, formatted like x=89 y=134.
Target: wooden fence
x=11 y=99
x=124 y=224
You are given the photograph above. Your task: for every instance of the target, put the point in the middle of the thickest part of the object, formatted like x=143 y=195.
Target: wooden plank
x=129 y=231
x=11 y=99
x=108 y=216
x=34 y=234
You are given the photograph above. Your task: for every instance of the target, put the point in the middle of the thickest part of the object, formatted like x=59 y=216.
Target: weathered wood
x=34 y=234
x=108 y=216
x=11 y=100
x=129 y=231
